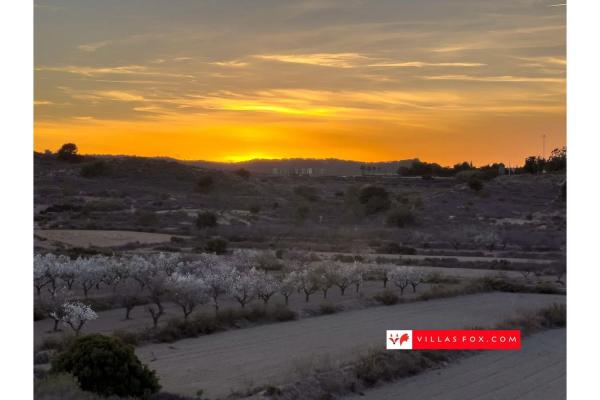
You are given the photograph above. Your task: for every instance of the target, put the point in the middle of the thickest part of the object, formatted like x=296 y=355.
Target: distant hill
x=309 y=166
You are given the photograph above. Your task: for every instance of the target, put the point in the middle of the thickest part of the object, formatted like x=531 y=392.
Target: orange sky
x=474 y=80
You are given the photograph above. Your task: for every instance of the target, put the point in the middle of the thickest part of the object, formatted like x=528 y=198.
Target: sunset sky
x=441 y=80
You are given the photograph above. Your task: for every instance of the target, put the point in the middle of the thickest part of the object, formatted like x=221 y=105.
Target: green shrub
x=94 y=170
x=107 y=366
x=146 y=218
x=243 y=173
x=327 y=307
x=308 y=192
x=374 y=199
x=216 y=245
x=395 y=248
x=554 y=316
x=475 y=184
x=205 y=184
x=387 y=297
x=127 y=337
x=281 y=313
x=206 y=219
x=400 y=217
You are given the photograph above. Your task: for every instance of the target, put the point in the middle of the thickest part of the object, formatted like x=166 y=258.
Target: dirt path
x=85 y=238
x=536 y=372
x=272 y=354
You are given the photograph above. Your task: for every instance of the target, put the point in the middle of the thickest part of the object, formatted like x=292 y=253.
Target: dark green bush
x=107 y=366
x=216 y=245
x=206 y=219
x=387 y=297
x=327 y=307
x=308 y=192
x=475 y=184
x=94 y=170
x=395 y=248
x=400 y=217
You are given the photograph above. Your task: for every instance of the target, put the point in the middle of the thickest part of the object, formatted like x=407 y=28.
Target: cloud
x=119 y=95
x=337 y=60
x=504 y=78
x=231 y=64
x=91 y=47
x=420 y=64
x=42 y=103
x=137 y=70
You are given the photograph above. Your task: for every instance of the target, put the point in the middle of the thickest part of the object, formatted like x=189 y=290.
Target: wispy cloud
x=231 y=64
x=91 y=47
x=504 y=78
x=337 y=60
x=118 y=70
x=421 y=64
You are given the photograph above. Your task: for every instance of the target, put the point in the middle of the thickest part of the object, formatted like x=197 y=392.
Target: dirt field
x=85 y=238
x=236 y=360
x=536 y=372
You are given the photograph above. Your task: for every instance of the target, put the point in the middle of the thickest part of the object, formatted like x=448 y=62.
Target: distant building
x=298 y=171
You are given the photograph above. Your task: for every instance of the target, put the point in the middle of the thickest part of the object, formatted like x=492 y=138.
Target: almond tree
x=266 y=287
x=306 y=281
x=91 y=272
x=54 y=306
x=217 y=279
x=67 y=272
x=166 y=263
x=344 y=277
x=243 y=286
x=76 y=314
x=399 y=276
x=287 y=286
x=356 y=275
x=40 y=276
x=187 y=291
x=116 y=273
x=415 y=278
x=326 y=276
x=157 y=289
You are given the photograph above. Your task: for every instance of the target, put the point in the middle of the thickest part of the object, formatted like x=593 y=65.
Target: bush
x=146 y=218
x=327 y=307
x=206 y=219
x=554 y=316
x=243 y=173
x=107 y=366
x=307 y=192
x=387 y=297
x=374 y=199
x=216 y=246
x=400 y=217
x=205 y=184
x=475 y=184
x=94 y=170
x=127 y=337
x=281 y=313
x=68 y=153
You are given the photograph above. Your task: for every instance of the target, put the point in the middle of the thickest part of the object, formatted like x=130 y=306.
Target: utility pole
x=543 y=145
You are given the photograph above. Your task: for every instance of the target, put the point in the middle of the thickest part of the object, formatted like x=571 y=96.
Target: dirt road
x=536 y=372
x=98 y=238
x=236 y=360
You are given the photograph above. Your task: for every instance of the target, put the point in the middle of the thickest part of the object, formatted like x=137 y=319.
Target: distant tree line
x=557 y=162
